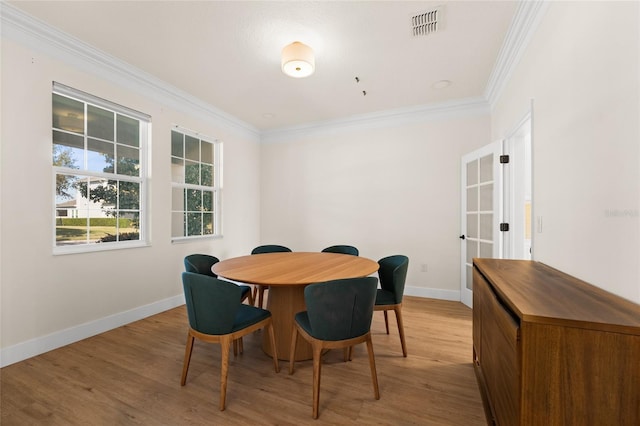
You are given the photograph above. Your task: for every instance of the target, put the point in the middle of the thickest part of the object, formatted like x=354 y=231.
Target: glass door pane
x=479 y=216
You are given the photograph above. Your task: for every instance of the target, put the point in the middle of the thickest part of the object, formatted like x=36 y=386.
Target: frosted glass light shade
x=298 y=60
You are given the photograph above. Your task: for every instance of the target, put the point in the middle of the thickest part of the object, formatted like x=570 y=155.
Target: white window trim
x=143 y=179
x=217 y=177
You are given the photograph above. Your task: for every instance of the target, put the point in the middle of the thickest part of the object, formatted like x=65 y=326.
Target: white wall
x=388 y=188
x=582 y=71
x=51 y=300
x=391 y=188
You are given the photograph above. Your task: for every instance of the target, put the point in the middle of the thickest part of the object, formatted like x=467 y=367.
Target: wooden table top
x=294 y=268
x=539 y=293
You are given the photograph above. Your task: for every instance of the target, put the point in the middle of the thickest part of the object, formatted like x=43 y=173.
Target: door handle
x=462 y=237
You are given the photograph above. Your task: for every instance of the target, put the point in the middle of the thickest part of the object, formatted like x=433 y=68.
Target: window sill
x=91 y=248
x=182 y=240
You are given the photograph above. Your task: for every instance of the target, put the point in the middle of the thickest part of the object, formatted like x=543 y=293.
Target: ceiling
x=227 y=54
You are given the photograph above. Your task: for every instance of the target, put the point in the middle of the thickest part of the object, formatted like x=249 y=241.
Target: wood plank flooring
x=131 y=376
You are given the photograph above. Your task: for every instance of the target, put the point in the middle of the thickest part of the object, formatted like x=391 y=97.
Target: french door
x=481 y=208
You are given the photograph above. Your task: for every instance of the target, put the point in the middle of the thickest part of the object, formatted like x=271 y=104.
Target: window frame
x=216 y=188
x=142 y=179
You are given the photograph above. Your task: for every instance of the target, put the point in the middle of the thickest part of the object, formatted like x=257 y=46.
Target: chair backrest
x=393 y=274
x=341 y=309
x=270 y=248
x=200 y=264
x=212 y=304
x=343 y=249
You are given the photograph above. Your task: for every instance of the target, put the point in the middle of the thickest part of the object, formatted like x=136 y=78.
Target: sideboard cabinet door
x=550 y=349
x=500 y=359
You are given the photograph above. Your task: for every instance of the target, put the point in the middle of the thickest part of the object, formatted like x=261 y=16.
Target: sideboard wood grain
x=550 y=349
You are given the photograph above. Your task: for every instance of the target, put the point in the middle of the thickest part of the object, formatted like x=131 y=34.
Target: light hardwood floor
x=131 y=375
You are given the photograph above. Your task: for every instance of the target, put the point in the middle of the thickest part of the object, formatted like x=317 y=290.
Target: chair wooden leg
x=225 y=343
x=248 y=297
x=261 y=290
x=187 y=359
x=238 y=347
x=398 y=311
x=254 y=294
x=292 y=351
x=386 y=321
x=317 y=367
x=274 y=349
x=372 y=364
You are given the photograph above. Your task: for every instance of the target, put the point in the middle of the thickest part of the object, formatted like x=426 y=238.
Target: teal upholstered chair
x=342 y=249
x=270 y=248
x=202 y=263
x=338 y=316
x=216 y=315
x=258 y=291
x=393 y=274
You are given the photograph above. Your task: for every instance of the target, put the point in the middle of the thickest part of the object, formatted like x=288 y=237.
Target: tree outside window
x=195 y=166
x=99 y=178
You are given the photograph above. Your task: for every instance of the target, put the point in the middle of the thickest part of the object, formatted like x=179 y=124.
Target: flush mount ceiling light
x=297 y=60
x=442 y=84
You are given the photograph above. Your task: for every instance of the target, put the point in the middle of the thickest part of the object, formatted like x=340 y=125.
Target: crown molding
x=400 y=116
x=40 y=36
x=528 y=15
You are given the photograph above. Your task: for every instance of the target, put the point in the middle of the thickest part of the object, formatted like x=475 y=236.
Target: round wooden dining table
x=287 y=274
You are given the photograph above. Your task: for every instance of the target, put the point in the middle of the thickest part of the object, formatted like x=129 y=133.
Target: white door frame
x=517 y=189
x=513 y=186
x=497 y=240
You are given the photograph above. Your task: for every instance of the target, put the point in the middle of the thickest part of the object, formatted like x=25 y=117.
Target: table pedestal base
x=284 y=302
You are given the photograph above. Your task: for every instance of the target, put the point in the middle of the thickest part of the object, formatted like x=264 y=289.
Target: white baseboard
x=40 y=345
x=433 y=293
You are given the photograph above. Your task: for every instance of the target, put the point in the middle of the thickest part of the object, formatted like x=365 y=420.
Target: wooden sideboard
x=550 y=349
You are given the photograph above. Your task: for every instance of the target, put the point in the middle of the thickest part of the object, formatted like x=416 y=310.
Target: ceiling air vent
x=426 y=23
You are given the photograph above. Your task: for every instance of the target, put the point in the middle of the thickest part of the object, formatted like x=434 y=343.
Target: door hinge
x=504 y=227
x=504 y=159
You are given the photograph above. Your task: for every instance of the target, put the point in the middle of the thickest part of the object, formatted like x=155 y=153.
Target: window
x=99 y=151
x=196 y=184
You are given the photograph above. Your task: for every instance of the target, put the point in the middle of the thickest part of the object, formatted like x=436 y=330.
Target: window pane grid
x=479 y=210
x=98 y=171
x=194 y=172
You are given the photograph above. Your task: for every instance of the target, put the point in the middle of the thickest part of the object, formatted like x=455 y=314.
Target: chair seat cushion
x=249 y=315
x=384 y=297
